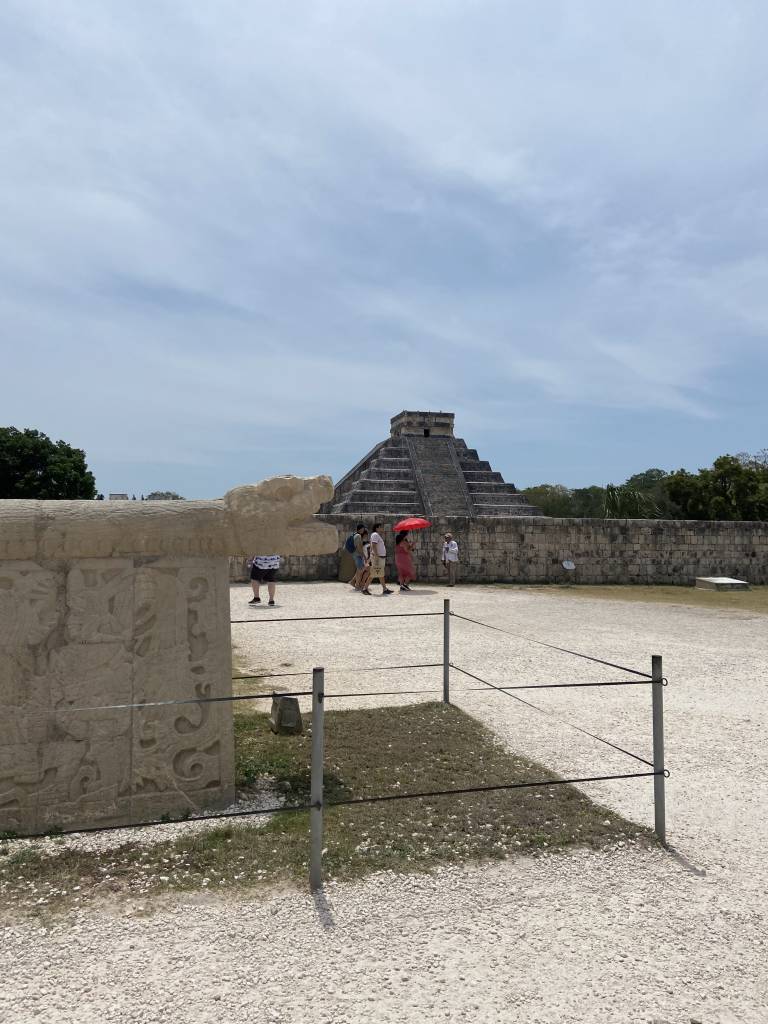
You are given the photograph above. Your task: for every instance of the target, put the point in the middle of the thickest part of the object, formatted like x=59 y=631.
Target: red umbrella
x=414 y=523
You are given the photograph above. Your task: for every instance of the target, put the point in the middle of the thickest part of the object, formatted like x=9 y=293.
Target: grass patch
x=368 y=752
x=753 y=600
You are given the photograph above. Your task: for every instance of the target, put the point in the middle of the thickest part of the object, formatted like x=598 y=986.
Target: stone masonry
x=127 y=603
x=532 y=550
x=422 y=469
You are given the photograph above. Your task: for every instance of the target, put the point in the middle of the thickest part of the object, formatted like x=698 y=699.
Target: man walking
x=450 y=557
x=378 y=560
x=358 y=581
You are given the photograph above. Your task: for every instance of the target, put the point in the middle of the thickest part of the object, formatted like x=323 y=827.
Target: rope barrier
x=552 y=647
x=562 y=721
x=274 y=675
x=485 y=789
x=562 y=686
x=340 y=618
x=346 y=803
x=384 y=693
x=190 y=700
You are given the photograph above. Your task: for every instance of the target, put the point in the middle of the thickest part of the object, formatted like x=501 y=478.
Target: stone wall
x=108 y=604
x=532 y=551
x=109 y=631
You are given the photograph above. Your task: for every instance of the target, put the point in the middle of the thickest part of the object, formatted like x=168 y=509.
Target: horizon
x=235 y=243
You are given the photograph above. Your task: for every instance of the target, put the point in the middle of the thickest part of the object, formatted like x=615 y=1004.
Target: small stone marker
x=720 y=583
x=285 y=716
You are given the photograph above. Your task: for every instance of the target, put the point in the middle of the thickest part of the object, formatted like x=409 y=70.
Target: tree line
x=735 y=487
x=34 y=466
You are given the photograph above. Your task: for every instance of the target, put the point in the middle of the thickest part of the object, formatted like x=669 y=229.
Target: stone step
x=383 y=508
x=483 y=476
x=389 y=495
x=385 y=462
x=490 y=487
x=387 y=474
x=475 y=464
x=368 y=483
x=499 y=498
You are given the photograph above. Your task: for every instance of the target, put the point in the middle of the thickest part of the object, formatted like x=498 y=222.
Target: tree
x=624 y=502
x=730 y=490
x=34 y=466
x=552 y=499
x=588 y=502
x=163 y=496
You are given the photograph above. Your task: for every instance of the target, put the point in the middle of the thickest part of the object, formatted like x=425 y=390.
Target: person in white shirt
x=450 y=557
x=378 y=560
x=264 y=570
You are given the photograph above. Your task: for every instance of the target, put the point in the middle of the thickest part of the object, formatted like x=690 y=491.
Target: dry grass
x=753 y=600
x=368 y=753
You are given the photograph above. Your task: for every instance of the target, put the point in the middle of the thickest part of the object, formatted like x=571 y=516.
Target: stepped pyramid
x=422 y=469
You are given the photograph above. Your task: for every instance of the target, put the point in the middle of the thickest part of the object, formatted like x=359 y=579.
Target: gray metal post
x=657 y=691
x=446 y=651
x=316 y=783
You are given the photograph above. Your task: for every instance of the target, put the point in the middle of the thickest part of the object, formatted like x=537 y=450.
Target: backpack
x=349 y=543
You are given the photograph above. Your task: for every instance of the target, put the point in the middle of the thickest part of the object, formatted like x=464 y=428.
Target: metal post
x=316 y=783
x=657 y=692
x=446 y=651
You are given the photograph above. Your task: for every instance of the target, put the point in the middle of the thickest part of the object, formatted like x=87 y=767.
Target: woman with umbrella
x=404 y=549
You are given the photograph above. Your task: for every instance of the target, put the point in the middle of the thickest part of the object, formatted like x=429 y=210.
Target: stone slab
x=720 y=583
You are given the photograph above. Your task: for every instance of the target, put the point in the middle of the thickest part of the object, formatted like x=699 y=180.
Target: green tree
x=624 y=502
x=163 y=496
x=34 y=466
x=552 y=499
x=588 y=502
x=730 y=490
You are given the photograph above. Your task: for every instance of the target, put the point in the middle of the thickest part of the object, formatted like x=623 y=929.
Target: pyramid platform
x=422 y=469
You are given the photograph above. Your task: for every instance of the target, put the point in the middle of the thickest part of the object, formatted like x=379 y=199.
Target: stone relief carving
x=103 y=605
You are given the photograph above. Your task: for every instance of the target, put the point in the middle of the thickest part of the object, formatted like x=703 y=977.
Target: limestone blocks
x=104 y=606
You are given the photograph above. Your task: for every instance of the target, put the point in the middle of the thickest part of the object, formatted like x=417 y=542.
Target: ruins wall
x=108 y=604
x=523 y=550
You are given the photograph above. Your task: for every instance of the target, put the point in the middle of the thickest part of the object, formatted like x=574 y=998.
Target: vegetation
x=369 y=752
x=163 y=496
x=734 y=488
x=34 y=466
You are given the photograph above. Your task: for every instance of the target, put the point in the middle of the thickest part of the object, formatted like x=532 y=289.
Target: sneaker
x=386 y=590
x=271 y=602
x=366 y=592
x=403 y=588
x=255 y=600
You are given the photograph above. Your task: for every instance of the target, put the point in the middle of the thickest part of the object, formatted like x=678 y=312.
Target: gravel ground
x=624 y=935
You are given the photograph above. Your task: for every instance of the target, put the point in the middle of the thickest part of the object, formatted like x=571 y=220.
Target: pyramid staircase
x=426 y=476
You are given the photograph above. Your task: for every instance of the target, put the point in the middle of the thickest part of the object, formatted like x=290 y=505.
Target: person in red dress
x=404 y=560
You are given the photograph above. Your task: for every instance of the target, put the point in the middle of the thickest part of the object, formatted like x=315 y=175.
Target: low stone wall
x=532 y=550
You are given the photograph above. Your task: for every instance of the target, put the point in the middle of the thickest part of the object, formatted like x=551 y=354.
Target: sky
x=235 y=239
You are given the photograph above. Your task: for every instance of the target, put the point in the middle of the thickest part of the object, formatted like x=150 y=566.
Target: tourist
x=404 y=560
x=378 y=559
x=264 y=570
x=450 y=557
x=359 y=556
x=366 y=572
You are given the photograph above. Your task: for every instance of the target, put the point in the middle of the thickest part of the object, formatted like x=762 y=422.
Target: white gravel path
x=626 y=935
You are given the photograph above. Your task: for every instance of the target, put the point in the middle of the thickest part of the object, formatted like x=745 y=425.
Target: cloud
x=227 y=229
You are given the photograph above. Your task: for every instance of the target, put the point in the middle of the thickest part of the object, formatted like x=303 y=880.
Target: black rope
x=274 y=675
x=552 y=647
x=562 y=721
x=384 y=693
x=562 y=686
x=331 y=618
x=342 y=803
x=486 y=789
x=191 y=700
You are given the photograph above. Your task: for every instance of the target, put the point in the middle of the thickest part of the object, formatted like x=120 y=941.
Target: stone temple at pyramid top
x=423 y=469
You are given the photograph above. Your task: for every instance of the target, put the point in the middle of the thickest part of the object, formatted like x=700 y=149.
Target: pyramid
x=422 y=469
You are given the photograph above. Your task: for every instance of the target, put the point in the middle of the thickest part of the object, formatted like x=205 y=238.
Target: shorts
x=377 y=567
x=359 y=562
x=263 y=575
